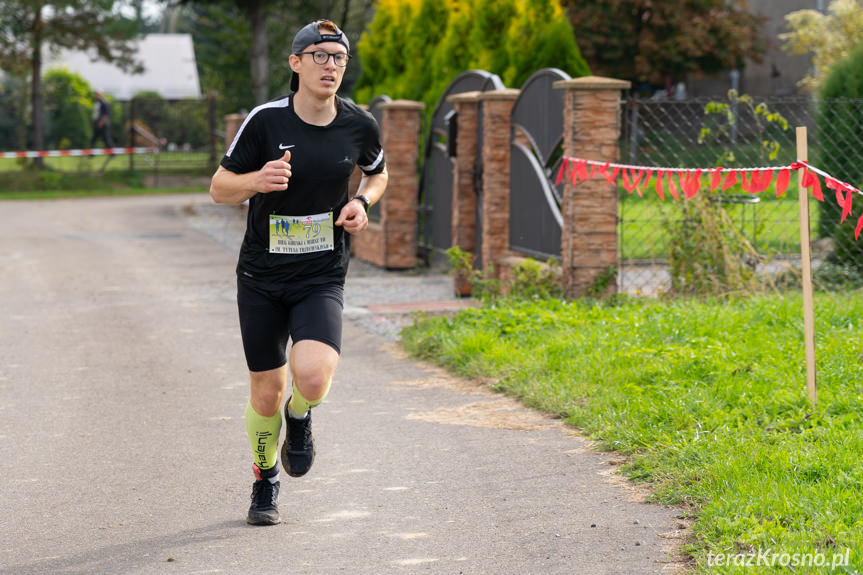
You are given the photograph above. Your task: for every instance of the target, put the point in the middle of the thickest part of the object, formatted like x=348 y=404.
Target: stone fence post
x=496 y=125
x=591 y=117
x=392 y=241
x=464 y=192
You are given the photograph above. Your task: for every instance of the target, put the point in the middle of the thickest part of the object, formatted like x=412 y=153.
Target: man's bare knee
x=313 y=386
x=267 y=390
x=312 y=367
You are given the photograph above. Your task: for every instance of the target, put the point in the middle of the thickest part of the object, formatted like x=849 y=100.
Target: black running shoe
x=264 y=509
x=298 y=450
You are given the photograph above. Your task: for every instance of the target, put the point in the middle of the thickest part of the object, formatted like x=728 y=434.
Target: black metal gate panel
x=535 y=221
x=436 y=182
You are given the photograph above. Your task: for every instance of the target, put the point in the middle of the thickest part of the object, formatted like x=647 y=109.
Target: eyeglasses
x=320 y=57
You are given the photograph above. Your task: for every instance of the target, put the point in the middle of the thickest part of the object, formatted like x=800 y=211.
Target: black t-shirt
x=322 y=161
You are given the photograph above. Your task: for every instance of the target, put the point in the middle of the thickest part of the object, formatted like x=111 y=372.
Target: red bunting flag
x=631 y=179
x=671 y=189
x=690 y=183
x=761 y=180
x=843 y=201
x=659 y=175
x=811 y=181
x=611 y=177
x=846 y=210
x=746 y=181
x=782 y=181
x=581 y=170
x=730 y=180
x=715 y=178
x=560 y=172
x=644 y=181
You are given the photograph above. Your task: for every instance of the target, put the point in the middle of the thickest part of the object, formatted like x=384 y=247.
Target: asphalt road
x=123 y=448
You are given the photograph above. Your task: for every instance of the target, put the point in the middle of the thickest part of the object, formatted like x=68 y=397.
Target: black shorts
x=268 y=318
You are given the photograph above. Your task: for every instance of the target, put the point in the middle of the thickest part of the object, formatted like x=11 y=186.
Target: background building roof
x=169 y=69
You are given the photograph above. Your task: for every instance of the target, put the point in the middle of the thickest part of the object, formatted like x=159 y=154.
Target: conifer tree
x=414 y=49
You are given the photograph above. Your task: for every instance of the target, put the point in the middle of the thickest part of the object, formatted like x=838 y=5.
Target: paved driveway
x=123 y=449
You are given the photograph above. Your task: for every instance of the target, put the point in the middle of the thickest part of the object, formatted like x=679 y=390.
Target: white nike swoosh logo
x=281 y=147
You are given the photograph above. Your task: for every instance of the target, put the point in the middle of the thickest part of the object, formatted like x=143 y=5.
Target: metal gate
x=436 y=182
x=535 y=221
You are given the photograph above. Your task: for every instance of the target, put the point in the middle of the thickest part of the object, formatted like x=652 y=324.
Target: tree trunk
x=36 y=86
x=257 y=14
x=345 y=12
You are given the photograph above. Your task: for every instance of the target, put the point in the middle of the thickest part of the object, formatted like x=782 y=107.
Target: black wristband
x=366 y=202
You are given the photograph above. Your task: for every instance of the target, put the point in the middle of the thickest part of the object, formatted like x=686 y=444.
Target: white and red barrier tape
x=85 y=152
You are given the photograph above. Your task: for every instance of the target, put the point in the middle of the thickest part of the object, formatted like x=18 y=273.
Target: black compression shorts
x=268 y=318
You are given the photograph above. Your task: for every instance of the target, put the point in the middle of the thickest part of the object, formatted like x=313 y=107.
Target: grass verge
x=96 y=192
x=708 y=399
x=48 y=184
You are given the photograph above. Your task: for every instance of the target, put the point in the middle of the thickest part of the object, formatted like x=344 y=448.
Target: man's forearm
x=373 y=187
x=226 y=187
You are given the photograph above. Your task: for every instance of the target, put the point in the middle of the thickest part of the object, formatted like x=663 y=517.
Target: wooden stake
x=806 y=269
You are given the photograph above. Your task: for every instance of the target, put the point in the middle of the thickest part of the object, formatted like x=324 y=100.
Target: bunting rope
x=752 y=180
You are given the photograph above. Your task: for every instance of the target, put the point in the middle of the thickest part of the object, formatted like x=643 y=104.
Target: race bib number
x=301 y=234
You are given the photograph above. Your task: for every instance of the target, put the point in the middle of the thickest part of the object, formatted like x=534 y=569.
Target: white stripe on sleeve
x=283 y=103
x=374 y=164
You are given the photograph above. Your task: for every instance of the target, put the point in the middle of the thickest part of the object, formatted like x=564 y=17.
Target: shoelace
x=264 y=492
x=300 y=434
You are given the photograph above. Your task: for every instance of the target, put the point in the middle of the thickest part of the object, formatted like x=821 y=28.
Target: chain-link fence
x=189 y=134
x=676 y=246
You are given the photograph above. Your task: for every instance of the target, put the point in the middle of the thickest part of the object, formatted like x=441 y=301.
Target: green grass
x=771 y=226
x=83 y=177
x=707 y=397
x=44 y=185
x=167 y=161
x=98 y=192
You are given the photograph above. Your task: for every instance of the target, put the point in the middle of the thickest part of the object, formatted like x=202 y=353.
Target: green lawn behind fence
x=771 y=225
x=708 y=398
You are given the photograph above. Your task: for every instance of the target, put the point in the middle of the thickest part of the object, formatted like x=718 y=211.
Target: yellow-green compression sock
x=263 y=436
x=299 y=405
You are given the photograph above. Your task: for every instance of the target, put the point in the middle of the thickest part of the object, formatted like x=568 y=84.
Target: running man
x=292 y=160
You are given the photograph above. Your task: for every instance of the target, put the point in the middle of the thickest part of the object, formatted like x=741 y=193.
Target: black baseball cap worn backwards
x=311 y=34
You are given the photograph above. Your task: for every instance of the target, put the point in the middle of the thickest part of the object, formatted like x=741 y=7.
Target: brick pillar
x=232 y=126
x=392 y=242
x=496 y=109
x=591 y=119
x=464 y=193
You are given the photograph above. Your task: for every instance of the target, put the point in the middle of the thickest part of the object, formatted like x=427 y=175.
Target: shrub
x=68 y=102
x=530 y=279
x=709 y=255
